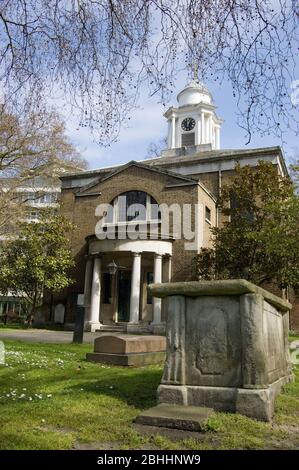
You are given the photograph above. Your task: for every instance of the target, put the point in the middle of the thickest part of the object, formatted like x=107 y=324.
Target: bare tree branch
x=101 y=53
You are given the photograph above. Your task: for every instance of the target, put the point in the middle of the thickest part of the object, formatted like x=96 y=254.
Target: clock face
x=188 y=124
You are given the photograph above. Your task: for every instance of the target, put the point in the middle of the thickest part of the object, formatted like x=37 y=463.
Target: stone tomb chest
x=128 y=350
x=227 y=346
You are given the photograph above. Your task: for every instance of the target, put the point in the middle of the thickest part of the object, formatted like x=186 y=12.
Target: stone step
x=188 y=418
x=122 y=327
x=113 y=328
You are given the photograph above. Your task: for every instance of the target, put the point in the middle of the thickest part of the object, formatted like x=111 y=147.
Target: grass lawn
x=50 y=398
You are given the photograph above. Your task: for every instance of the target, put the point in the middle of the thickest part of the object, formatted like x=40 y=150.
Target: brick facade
x=169 y=181
x=80 y=208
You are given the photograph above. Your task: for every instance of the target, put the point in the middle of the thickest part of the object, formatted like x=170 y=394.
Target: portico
x=119 y=295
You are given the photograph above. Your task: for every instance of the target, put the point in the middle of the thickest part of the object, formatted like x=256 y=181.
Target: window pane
x=132 y=205
x=155 y=212
x=208 y=214
x=131 y=199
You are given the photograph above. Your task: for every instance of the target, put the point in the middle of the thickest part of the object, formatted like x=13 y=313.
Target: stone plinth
x=227 y=346
x=128 y=350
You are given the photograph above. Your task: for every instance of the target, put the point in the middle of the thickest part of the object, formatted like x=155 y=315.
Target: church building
x=113 y=268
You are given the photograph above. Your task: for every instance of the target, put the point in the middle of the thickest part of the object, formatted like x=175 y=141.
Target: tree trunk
x=32 y=310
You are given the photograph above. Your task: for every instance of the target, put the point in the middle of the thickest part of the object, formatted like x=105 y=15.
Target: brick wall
x=81 y=211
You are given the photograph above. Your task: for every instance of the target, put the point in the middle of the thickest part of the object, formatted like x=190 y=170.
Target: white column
x=87 y=287
x=207 y=140
x=168 y=261
x=169 y=137
x=217 y=138
x=210 y=129
x=202 y=127
x=198 y=133
x=173 y=132
x=95 y=300
x=135 y=288
x=157 y=280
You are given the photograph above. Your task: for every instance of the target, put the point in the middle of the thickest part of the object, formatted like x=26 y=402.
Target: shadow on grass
x=136 y=387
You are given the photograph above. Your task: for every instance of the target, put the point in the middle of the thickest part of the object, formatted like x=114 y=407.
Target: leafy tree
x=99 y=54
x=259 y=238
x=38 y=259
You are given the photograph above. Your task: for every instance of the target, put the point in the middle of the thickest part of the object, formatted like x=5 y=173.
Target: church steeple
x=194 y=122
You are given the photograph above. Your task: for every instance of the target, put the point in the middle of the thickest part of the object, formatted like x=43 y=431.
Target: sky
x=148 y=125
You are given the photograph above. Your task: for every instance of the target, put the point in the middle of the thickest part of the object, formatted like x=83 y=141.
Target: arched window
x=134 y=206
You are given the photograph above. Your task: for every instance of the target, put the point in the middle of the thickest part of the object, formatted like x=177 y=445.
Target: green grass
x=51 y=398
x=13 y=326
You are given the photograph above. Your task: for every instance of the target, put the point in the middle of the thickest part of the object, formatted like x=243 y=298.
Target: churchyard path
x=34 y=335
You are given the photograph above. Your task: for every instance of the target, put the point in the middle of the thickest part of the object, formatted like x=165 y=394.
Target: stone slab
x=132 y=359
x=189 y=418
x=215 y=288
x=124 y=344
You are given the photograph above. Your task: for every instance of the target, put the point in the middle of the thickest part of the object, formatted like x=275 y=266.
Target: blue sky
x=148 y=125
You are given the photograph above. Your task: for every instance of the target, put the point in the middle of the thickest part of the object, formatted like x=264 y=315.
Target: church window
x=208 y=215
x=134 y=206
x=239 y=211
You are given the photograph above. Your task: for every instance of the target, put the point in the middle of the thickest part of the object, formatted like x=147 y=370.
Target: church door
x=124 y=293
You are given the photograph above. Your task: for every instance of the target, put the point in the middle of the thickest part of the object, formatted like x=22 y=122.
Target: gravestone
x=227 y=347
x=79 y=320
x=59 y=313
x=2 y=353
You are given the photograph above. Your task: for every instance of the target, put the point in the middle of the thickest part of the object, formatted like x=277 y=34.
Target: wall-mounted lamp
x=112 y=267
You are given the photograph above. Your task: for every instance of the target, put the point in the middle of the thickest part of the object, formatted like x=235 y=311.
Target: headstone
x=79 y=320
x=128 y=350
x=59 y=313
x=2 y=353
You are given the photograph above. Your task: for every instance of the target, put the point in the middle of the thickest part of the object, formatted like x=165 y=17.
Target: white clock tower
x=194 y=122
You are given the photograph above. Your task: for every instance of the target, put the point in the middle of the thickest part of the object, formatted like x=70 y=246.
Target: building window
x=129 y=206
x=33 y=215
x=134 y=206
x=47 y=198
x=107 y=288
x=10 y=308
x=155 y=211
x=208 y=215
x=36 y=197
x=149 y=280
x=238 y=212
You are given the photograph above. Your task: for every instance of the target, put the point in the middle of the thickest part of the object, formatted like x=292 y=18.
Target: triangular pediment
x=172 y=178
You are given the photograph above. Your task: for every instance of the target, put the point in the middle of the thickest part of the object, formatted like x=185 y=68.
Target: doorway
x=124 y=294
